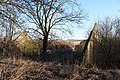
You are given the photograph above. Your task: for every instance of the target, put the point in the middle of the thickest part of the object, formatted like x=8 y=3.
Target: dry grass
x=21 y=69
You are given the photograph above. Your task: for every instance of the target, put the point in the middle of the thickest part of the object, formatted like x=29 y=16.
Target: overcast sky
x=97 y=10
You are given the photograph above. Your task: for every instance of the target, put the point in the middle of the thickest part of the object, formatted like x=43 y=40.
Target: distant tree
x=52 y=14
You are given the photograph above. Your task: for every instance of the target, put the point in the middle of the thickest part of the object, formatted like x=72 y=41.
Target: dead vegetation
x=54 y=66
x=21 y=69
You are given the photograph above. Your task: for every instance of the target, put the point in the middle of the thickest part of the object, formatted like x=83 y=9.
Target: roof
x=23 y=39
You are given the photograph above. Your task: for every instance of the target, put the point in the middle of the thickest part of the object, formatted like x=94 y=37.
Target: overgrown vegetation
x=46 y=59
x=31 y=48
x=106 y=47
x=21 y=69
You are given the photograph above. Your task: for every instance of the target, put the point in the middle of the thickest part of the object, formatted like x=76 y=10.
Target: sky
x=97 y=10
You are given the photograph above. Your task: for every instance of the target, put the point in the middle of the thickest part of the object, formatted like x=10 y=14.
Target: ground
x=24 y=69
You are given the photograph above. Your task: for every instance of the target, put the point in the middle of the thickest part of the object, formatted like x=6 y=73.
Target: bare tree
x=52 y=14
x=109 y=37
x=9 y=19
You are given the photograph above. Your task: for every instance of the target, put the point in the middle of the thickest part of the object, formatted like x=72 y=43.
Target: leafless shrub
x=106 y=47
x=9 y=49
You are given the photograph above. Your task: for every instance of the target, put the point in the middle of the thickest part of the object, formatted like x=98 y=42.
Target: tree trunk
x=45 y=44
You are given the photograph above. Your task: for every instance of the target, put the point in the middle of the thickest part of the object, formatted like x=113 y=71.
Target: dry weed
x=21 y=69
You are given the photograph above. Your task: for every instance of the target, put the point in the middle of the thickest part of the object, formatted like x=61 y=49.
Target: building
x=25 y=43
